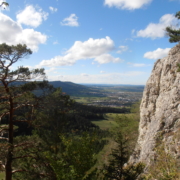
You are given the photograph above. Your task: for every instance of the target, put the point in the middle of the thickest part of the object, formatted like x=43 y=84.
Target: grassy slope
x=2 y=176
x=108 y=123
x=113 y=122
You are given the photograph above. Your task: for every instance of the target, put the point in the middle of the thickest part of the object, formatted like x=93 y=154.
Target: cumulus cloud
x=122 y=49
x=31 y=16
x=157 y=54
x=92 y=48
x=52 y=9
x=12 y=33
x=106 y=58
x=72 y=20
x=158 y=30
x=127 y=4
x=51 y=70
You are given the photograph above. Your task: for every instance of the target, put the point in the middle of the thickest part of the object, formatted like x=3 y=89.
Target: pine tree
x=15 y=96
x=173 y=33
x=118 y=167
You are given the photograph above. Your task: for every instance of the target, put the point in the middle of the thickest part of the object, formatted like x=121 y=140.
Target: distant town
x=111 y=96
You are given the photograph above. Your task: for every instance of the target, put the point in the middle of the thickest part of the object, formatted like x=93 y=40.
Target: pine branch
x=3 y=138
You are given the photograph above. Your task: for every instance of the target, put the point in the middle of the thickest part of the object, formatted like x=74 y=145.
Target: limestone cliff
x=160 y=109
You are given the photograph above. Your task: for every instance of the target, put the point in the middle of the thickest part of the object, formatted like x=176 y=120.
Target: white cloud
x=138 y=65
x=102 y=71
x=52 y=9
x=92 y=48
x=127 y=4
x=12 y=33
x=122 y=49
x=72 y=20
x=106 y=58
x=84 y=74
x=157 y=54
x=31 y=16
x=158 y=30
x=51 y=70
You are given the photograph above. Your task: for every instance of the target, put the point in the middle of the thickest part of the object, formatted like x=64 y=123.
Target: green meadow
x=114 y=123
x=2 y=176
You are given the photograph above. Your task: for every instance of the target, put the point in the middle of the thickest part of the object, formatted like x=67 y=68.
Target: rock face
x=160 y=109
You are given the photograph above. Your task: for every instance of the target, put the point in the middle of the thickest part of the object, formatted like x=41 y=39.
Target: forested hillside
x=75 y=99
x=44 y=133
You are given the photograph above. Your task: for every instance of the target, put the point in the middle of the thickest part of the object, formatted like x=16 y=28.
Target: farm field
x=89 y=99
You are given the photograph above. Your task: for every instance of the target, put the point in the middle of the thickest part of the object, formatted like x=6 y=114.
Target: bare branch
x=19 y=170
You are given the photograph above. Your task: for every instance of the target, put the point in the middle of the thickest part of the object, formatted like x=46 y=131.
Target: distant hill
x=74 y=89
x=91 y=90
x=70 y=88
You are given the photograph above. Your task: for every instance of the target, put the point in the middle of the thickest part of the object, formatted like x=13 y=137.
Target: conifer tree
x=118 y=167
x=15 y=96
x=173 y=33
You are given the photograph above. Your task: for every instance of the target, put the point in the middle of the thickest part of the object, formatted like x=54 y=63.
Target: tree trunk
x=8 y=166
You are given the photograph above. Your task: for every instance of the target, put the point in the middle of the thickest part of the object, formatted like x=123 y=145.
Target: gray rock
x=160 y=109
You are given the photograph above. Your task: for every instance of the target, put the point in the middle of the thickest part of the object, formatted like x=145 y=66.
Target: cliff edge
x=160 y=109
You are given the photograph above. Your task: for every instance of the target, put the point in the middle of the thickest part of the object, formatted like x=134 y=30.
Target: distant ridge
x=90 y=90
x=85 y=89
x=73 y=89
x=91 y=84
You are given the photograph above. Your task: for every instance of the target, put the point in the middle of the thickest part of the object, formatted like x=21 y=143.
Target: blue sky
x=91 y=41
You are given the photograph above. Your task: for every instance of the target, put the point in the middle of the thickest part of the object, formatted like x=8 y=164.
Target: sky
x=91 y=41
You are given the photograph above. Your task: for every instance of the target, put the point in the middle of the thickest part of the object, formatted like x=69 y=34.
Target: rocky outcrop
x=160 y=109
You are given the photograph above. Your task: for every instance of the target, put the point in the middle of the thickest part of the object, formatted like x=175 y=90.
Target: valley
x=107 y=95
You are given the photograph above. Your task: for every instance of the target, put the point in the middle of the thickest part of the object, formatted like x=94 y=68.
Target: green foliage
x=64 y=144
x=17 y=103
x=128 y=124
x=174 y=34
x=125 y=136
x=164 y=166
x=77 y=157
x=1 y=175
x=178 y=65
x=30 y=160
x=117 y=169
x=68 y=153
